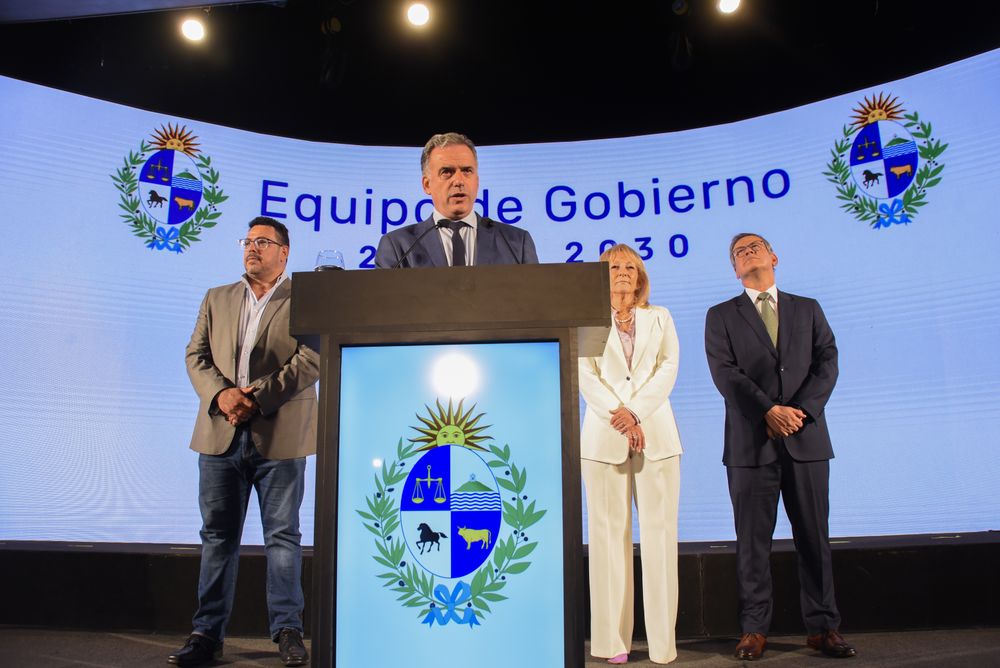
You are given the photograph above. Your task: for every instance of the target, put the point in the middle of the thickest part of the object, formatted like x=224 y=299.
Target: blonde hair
x=642 y=285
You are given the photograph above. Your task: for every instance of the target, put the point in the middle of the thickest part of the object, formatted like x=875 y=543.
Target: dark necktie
x=457 y=245
x=769 y=317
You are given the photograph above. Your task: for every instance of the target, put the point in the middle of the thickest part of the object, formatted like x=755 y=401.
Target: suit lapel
x=786 y=321
x=486 y=242
x=280 y=296
x=644 y=321
x=430 y=244
x=748 y=311
x=613 y=352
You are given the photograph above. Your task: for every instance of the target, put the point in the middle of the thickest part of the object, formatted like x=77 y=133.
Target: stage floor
x=957 y=648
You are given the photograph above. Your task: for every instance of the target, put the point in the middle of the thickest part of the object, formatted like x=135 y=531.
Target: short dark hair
x=442 y=140
x=743 y=235
x=271 y=222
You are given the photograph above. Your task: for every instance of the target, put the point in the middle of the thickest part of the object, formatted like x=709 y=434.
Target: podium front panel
x=449 y=505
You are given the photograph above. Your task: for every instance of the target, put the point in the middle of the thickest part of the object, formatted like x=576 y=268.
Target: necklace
x=625 y=321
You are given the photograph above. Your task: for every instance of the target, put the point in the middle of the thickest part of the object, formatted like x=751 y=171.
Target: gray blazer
x=283 y=370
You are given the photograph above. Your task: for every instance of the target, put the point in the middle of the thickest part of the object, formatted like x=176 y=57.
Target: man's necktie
x=769 y=317
x=457 y=245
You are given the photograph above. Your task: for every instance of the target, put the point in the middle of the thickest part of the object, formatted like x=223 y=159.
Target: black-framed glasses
x=260 y=243
x=753 y=247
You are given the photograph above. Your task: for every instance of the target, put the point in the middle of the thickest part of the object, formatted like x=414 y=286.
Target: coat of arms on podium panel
x=451 y=518
x=885 y=162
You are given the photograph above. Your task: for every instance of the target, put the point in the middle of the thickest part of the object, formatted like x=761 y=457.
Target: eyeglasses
x=754 y=247
x=260 y=243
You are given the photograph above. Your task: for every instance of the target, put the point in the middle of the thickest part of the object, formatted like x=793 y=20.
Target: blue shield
x=450 y=511
x=884 y=159
x=170 y=187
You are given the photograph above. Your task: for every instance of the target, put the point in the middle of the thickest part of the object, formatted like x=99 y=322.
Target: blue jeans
x=223 y=494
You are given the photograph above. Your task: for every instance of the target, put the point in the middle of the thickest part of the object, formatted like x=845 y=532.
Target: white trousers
x=655 y=486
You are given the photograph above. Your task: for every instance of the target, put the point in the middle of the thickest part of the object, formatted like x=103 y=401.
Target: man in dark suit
x=454 y=235
x=256 y=424
x=774 y=359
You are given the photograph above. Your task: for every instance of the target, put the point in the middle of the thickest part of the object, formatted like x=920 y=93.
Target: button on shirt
x=246 y=336
x=468 y=236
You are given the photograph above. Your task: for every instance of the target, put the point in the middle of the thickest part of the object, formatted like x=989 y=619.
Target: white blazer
x=607 y=384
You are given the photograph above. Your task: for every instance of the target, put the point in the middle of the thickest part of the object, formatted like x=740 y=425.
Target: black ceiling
x=503 y=72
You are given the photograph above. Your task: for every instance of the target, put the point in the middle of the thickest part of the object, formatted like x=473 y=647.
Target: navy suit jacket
x=429 y=252
x=753 y=376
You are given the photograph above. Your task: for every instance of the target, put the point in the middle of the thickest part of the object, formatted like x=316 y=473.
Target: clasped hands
x=625 y=423
x=784 y=420
x=237 y=404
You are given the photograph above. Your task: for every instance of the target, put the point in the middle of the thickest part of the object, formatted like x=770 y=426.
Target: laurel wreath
x=414 y=585
x=126 y=181
x=864 y=207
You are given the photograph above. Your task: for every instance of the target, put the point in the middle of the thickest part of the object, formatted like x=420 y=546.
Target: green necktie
x=769 y=317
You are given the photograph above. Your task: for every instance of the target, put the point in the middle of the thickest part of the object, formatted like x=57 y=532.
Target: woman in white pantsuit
x=630 y=448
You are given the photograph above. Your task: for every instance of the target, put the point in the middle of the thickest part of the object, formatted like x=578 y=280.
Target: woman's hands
x=622 y=419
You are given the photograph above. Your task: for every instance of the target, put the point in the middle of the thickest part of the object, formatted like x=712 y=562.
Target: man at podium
x=454 y=235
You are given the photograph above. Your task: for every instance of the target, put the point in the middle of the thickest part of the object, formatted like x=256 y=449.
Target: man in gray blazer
x=454 y=235
x=256 y=424
x=774 y=360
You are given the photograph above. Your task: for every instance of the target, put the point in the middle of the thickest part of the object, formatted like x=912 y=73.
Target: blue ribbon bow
x=891 y=213
x=166 y=239
x=460 y=595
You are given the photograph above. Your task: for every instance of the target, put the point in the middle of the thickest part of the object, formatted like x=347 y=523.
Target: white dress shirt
x=246 y=335
x=468 y=236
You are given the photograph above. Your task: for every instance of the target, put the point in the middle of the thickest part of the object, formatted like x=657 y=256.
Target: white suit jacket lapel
x=644 y=322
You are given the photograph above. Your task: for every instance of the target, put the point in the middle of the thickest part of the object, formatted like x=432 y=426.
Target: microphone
x=438 y=225
x=502 y=236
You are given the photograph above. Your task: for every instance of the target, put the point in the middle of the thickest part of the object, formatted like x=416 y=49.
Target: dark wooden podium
x=567 y=303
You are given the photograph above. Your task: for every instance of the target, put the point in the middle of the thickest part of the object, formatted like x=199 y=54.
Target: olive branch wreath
x=865 y=208
x=126 y=181
x=414 y=586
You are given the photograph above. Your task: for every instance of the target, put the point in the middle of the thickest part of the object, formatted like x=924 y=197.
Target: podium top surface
x=451 y=299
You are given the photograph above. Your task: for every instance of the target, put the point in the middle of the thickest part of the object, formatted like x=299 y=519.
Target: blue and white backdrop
x=879 y=203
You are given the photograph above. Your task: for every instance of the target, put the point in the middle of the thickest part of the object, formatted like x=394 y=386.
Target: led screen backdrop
x=879 y=203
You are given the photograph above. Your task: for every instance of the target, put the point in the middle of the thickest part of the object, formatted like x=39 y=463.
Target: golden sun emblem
x=450 y=427
x=882 y=108
x=176 y=138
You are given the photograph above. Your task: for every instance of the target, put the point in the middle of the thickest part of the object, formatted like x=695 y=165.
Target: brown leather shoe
x=751 y=646
x=832 y=644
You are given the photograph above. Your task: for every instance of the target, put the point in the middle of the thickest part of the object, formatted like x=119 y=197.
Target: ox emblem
x=461 y=510
x=169 y=190
x=884 y=163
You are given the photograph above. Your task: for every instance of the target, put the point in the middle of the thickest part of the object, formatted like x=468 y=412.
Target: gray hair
x=442 y=140
x=743 y=235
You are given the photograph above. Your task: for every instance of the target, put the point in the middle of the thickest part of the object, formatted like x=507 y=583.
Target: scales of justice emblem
x=450 y=516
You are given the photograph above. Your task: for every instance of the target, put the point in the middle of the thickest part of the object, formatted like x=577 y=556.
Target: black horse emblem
x=871 y=178
x=428 y=538
x=155 y=199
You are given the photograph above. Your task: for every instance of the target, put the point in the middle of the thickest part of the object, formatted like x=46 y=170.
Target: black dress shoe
x=832 y=644
x=197 y=650
x=291 y=649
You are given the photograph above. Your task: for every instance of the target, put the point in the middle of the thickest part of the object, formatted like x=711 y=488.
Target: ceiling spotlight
x=728 y=6
x=193 y=29
x=418 y=14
